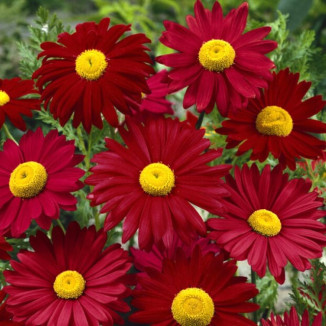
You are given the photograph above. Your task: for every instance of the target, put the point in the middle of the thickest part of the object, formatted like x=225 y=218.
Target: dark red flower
x=270 y=220
x=36 y=178
x=70 y=280
x=278 y=123
x=199 y=289
x=12 y=105
x=292 y=319
x=90 y=72
x=154 y=179
x=217 y=62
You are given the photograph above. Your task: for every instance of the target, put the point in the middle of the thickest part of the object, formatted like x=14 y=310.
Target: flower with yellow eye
x=155 y=178
x=36 y=178
x=270 y=220
x=69 y=280
x=278 y=123
x=216 y=60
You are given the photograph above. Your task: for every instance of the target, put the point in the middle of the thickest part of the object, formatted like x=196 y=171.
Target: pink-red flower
x=12 y=101
x=69 y=281
x=91 y=72
x=292 y=319
x=270 y=220
x=193 y=289
x=216 y=60
x=278 y=123
x=153 y=181
x=36 y=178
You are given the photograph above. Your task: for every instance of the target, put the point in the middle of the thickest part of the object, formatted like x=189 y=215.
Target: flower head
x=270 y=220
x=12 y=105
x=70 y=280
x=152 y=181
x=217 y=62
x=278 y=123
x=195 y=289
x=91 y=72
x=36 y=178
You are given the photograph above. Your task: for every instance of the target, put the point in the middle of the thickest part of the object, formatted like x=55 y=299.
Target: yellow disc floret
x=69 y=285
x=274 y=121
x=4 y=98
x=193 y=307
x=265 y=222
x=28 y=179
x=216 y=55
x=157 y=179
x=91 y=64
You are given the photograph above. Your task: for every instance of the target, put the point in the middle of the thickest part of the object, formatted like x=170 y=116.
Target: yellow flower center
x=28 y=179
x=69 y=285
x=157 y=179
x=274 y=121
x=91 y=64
x=193 y=307
x=216 y=55
x=4 y=98
x=265 y=222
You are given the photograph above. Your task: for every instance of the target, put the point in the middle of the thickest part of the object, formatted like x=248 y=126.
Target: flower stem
x=254 y=299
x=8 y=134
x=200 y=120
x=97 y=221
x=61 y=225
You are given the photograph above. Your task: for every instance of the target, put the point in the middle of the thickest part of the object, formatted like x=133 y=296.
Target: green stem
x=8 y=134
x=82 y=146
x=61 y=226
x=50 y=231
x=97 y=221
x=200 y=120
x=254 y=299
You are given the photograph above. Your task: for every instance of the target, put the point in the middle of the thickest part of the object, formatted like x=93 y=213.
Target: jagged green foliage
x=298 y=53
x=46 y=28
x=310 y=293
x=267 y=296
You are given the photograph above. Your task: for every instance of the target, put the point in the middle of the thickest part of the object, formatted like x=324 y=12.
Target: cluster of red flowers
x=158 y=178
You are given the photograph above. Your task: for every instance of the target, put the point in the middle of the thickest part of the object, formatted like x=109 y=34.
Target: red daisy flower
x=270 y=220
x=278 y=123
x=196 y=290
x=36 y=178
x=12 y=105
x=216 y=60
x=90 y=72
x=4 y=247
x=153 y=180
x=70 y=280
x=292 y=319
